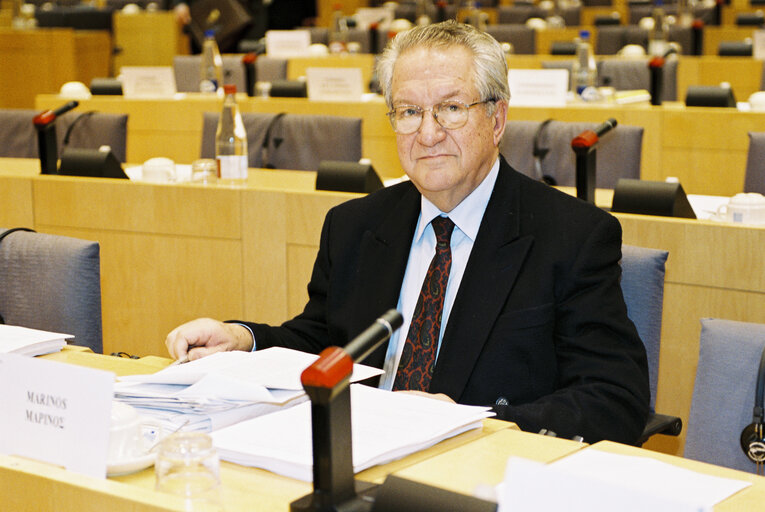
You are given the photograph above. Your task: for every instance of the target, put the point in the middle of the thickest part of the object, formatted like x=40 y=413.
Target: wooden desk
x=170 y=253
x=41 y=60
x=173 y=128
x=30 y=486
x=147 y=39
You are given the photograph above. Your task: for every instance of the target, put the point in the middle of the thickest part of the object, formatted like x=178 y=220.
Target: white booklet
x=30 y=342
x=386 y=426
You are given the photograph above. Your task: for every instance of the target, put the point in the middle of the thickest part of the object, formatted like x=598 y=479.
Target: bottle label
x=232 y=167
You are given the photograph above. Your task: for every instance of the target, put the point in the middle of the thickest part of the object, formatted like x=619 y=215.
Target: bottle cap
x=584 y=34
x=209 y=33
x=229 y=89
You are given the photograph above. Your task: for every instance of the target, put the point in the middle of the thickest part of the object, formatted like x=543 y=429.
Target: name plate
x=334 y=84
x=538 y=87
x=758 y=44
x=147 y=81
x=287 y=43
x=55 y=412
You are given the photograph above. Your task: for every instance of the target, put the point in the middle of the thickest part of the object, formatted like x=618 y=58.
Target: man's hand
x=205 y=336
x=435 y=396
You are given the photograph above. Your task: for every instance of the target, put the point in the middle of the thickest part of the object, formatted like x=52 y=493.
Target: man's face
x=445 y=165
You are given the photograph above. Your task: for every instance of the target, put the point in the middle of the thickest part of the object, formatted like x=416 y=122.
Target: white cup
x=744 y=208
x=158 y=170
x=125 y=434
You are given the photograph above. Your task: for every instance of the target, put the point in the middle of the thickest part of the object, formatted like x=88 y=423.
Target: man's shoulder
x=382 y=200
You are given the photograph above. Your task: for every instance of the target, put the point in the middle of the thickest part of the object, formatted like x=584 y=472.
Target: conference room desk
x=31 y=486
x=147 y=39
x=744 y=74
x=706 y=148
x=41 y=60
x=173 y=127
x=171 y=253
x=483 y=462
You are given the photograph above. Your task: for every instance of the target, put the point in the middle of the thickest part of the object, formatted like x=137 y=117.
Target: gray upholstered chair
x=724 y=392
x=86 y=130
x=611 y=39
x=52 y=283
x=754 y=179
x=618 y=153
x=643 y=288
x=267 y=69
x=521 y=37
x=296 y=141
x=630 y=74
x=520 y=13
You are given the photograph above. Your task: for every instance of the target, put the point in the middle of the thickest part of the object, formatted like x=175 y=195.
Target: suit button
x=502 y=401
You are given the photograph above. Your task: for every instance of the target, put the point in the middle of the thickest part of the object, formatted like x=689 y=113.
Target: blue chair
x=643 y=288
x=52 y=283
x=724 y=392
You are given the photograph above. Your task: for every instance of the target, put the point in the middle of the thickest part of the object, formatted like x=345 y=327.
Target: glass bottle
x=657 y=41
x=338 y=36
x=231 y=141
x=584 y=71
x=211 y=68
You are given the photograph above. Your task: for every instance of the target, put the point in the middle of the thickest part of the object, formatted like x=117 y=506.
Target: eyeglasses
x=451 y=115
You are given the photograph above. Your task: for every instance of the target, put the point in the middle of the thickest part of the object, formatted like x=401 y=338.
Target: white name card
x=147 y=81
x=55 y=412
x=287 y=43
x=538 y=87
x=365 y=16
x=758 y=44
x=334 y=84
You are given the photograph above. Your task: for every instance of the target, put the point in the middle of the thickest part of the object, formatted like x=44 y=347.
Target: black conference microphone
x=363 y=344
x=48 y=116
x=605 y=127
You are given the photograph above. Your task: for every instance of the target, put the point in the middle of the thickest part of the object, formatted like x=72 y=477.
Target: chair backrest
x=643 y=288
x=630 y=74
x=618 y=153
x=296 y=141
x=18 y=137
x=754 y=179
x=186 y=69
x=521 y=37
x=724 y=391
x=52 y=283
x=611 y=39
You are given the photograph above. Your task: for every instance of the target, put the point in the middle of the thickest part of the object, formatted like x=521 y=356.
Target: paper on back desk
x=275 y=368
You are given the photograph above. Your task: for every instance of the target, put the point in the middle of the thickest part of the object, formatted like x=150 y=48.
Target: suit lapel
x=492 y=269
x=383 y=256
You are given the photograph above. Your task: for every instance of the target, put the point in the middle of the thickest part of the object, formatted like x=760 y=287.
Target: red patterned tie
x=418 y=359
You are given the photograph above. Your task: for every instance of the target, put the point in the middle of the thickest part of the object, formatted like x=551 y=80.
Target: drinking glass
x=187 y=465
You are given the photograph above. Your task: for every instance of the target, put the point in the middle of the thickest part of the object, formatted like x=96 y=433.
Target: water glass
x=204 y=170
x=187 y=465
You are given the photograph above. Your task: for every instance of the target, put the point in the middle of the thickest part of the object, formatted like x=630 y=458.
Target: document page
x=385 y=426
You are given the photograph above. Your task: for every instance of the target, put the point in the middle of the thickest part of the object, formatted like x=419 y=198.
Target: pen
x=184 y=359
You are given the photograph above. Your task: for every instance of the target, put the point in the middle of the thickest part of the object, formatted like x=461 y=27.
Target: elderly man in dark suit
x=521 y=307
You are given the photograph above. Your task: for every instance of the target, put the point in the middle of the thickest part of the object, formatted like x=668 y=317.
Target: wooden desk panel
x=147 y=39
x=39 y=61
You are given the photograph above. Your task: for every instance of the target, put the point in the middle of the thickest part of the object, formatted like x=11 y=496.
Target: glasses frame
x=432 y=110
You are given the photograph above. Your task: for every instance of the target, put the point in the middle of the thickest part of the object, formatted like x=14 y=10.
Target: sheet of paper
x=386 y=426
x=595 y=481
x=30 y=342
x=274 y=368
x=55 y=412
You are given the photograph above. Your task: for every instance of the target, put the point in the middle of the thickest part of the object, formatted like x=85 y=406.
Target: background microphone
x=48 y=116
x=363 y=344
x=606 y=127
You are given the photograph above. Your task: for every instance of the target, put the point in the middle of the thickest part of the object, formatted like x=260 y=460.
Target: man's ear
x=500 y=120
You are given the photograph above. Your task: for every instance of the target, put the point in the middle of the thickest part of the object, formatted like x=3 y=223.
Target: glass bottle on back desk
x=211 y=67
x=231 y=141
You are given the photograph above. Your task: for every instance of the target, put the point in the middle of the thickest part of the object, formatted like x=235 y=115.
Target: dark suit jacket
x=539 y=328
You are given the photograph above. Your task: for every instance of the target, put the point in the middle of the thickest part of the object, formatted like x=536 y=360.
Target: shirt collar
x=468 y=214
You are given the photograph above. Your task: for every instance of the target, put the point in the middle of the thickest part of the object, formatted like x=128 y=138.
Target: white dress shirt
x=467 y=218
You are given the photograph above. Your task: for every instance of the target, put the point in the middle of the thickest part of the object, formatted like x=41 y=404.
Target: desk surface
x=459 y=464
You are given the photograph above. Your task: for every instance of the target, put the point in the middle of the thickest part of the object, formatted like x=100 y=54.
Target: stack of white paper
x=595 y=481
x=386 y=426
x=30 y=342
x=222 y=389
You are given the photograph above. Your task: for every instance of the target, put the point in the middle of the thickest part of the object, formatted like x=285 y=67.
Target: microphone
x=605 y=127
x=382 y=328
x=48 y=116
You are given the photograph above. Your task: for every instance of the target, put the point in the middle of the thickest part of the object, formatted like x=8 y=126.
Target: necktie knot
x=442 y=227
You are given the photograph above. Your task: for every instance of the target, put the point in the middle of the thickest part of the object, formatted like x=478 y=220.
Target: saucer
x=125 y=467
